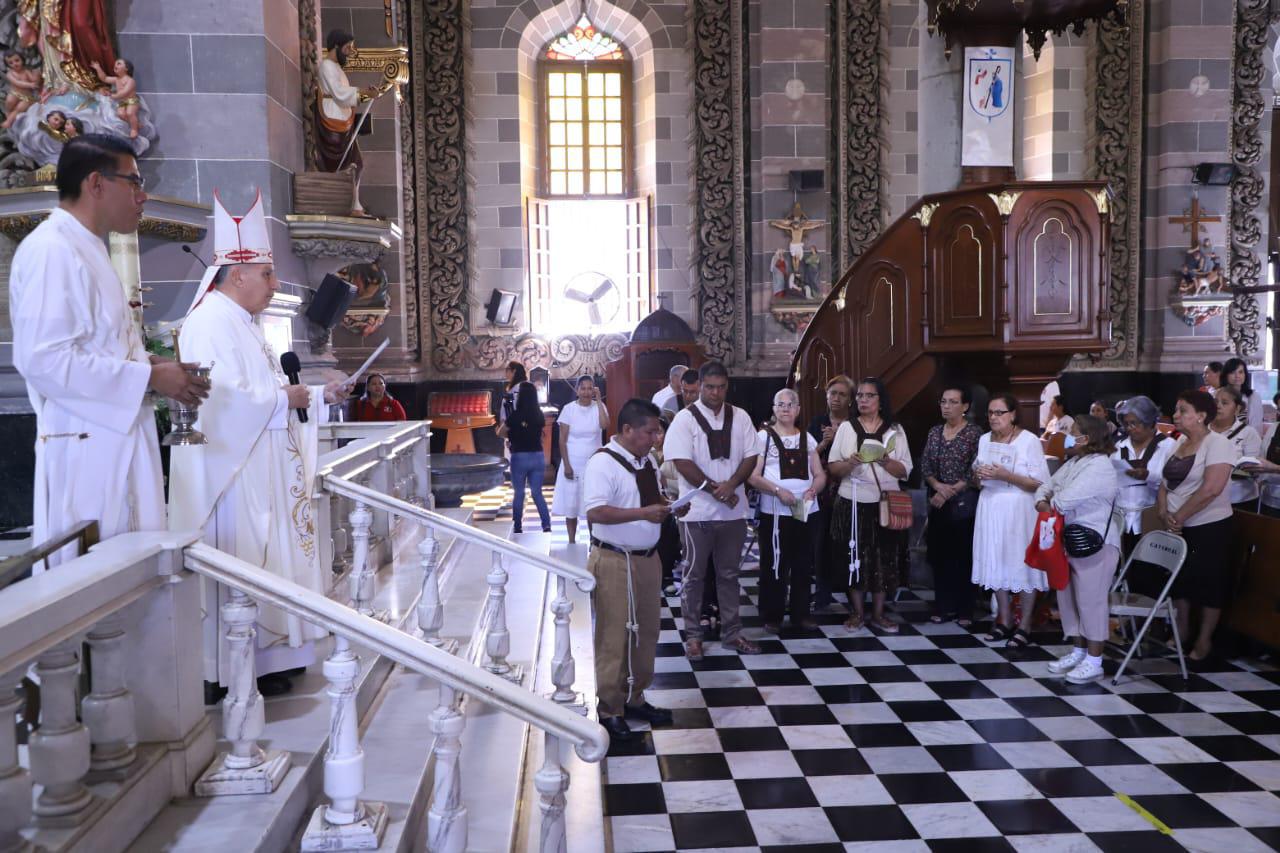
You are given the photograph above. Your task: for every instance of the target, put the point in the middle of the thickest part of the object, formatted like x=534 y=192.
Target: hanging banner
x=988 y=112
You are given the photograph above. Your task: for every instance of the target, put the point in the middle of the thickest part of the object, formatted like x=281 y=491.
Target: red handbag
x=1046 y=551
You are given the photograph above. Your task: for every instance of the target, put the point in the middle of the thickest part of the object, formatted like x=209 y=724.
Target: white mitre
x=236 y=240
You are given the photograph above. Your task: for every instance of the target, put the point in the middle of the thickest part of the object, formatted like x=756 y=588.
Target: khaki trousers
x=722 y=541
x=612 y=640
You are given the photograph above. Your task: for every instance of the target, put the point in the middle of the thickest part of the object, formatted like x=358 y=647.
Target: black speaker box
x=807 y=180
x=330 y=301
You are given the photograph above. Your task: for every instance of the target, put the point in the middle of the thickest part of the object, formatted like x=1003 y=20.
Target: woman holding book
x=1242 y=491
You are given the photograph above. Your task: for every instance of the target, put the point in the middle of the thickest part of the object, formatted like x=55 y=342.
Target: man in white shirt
x=77 y=345
x=335 y=114
x=713 y=446
x=626 y=511
x=666 y=397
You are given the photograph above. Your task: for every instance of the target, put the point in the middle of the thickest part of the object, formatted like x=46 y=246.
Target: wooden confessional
x=996 y=285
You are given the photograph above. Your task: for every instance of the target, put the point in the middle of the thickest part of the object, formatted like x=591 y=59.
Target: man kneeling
x=626 y=510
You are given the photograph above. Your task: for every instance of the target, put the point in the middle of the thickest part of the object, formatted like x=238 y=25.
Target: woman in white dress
x=581 y=423
x=1009 y=468
x=1230 y=422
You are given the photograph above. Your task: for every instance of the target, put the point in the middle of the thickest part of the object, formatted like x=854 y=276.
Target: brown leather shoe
x=742 y=646
x=693 y=649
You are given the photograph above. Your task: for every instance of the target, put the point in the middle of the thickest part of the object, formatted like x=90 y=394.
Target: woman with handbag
x=1009 y=468
x=1084 y=491
x=788 y=477
x=1194 y=503
x=945 y=465
x=871 y=514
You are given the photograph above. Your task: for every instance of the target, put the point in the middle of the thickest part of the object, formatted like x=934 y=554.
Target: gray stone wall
x=223 y=81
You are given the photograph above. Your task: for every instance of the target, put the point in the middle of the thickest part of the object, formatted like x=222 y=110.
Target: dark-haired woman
x=1235 y=373
x=1059 y=420
x=377 y=404
x=945 y=465
x=1242 y=491
x=1194 y=503
x=523 y=429
x=870 y=453
x=582 y=422
x=823 y=429
x=1084 y=491
x=1009 y=468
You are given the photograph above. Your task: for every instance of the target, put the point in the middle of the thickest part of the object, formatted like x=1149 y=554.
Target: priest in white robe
x=79 y=348
x=250 y=487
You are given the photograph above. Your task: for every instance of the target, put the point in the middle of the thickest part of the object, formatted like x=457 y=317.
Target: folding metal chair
x=1158 y=548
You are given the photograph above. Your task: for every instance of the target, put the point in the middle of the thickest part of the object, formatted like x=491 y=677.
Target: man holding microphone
x=626 y=511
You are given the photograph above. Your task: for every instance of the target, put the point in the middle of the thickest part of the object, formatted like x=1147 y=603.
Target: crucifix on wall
x=1195 y=217
x=1198 y=296
x=802 y=279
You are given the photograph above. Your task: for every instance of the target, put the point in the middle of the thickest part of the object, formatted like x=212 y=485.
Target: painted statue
x=336 y=123
x=124 y=92
x=1201 y=277
x=812 y=273
x=24 y=87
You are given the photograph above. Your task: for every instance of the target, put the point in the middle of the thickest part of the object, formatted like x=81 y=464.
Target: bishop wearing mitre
x=249 y=488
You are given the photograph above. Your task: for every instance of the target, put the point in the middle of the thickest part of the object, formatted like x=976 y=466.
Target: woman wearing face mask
x=1010 y=466
x=1193 y=503
x=1241 y=490
x=1084 y=491
x=1236 y=374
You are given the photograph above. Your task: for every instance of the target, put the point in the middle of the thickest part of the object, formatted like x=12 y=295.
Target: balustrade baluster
x=361 y=574
x=345 y=823
x=421 y=465
x=446 y=816
x=246 y=768
x=563 y=668
x=430 y=607
x=108 y=709
x=551 y=782
x=497 y=643
x=59 y=749
x=382 y=479
x=15 y=781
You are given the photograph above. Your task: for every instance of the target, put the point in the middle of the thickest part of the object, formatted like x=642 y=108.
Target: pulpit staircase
x=994 y=285
x=438 y=720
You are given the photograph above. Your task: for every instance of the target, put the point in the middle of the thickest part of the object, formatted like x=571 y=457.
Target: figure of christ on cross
x=796 y=225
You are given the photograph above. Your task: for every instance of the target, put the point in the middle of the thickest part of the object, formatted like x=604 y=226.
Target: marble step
x=299 y=723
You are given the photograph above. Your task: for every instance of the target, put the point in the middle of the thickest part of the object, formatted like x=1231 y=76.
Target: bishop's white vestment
x=87 y=370
x=250 y=487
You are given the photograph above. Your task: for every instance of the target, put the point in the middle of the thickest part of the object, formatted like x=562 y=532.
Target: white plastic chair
x=1158 y=548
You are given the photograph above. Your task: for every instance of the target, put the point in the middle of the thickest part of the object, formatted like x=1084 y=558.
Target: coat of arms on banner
x=988 y=81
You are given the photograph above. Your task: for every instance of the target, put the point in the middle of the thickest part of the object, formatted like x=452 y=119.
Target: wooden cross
x=1195 y=217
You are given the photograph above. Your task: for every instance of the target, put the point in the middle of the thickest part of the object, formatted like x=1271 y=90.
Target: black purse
x=1081 y=541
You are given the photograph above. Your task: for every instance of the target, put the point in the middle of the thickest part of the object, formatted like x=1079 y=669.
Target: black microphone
x=292 y=367
x=189 y=251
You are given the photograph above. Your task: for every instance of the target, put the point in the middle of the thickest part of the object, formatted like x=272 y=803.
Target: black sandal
x=999 y=633
x=1019 y=639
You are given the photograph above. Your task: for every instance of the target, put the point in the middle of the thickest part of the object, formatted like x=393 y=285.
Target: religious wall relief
x=795 y=273
x=63 y=78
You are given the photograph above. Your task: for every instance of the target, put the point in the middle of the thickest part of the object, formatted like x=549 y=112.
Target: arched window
x=586 y=115
x=589 y=243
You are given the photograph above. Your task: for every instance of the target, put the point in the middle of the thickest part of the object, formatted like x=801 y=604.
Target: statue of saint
x=812 y=271
x=335 y=113
x=71 y=36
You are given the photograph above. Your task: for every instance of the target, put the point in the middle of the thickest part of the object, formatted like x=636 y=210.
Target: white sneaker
x=1067 y=662
x=1085 y=672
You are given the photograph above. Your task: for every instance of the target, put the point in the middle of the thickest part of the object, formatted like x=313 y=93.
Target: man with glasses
x=713 y=446
x=77 y=345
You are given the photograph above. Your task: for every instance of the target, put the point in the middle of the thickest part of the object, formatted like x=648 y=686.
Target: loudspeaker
x=330 y=301
x=500 y=307
x=1213 y=174
x=804 y=180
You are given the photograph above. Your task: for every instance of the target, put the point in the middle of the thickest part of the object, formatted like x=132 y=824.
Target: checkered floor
x=496 y=502
x=933 y=740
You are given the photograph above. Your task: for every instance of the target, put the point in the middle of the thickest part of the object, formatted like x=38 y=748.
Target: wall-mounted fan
x=598 y=292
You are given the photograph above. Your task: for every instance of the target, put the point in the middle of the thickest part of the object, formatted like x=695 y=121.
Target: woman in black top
x=523 y=430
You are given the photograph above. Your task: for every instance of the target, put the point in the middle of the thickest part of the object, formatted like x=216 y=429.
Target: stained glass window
x=584 y=43
x=585 y=107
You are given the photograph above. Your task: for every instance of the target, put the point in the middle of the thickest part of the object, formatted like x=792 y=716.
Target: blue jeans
x=528 y=465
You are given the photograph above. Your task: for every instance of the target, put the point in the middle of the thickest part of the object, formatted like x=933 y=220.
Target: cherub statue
x=55 y=125
x=125 y=94
x=24 y=87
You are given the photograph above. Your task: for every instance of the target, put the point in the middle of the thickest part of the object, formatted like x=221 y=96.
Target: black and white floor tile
x=933 y=739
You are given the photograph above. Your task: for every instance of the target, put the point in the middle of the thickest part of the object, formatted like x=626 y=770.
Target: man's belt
x=596 y=543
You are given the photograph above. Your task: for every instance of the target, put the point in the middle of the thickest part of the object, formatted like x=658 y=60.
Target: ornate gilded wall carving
x=1115 y=156
x=1245 y=145
x=719 y=142
x=857 y=78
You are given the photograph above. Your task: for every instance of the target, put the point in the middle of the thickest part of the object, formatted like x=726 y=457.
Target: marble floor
x=934 y=739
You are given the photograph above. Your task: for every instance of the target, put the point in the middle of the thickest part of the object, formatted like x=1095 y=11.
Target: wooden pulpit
x=660 y=341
